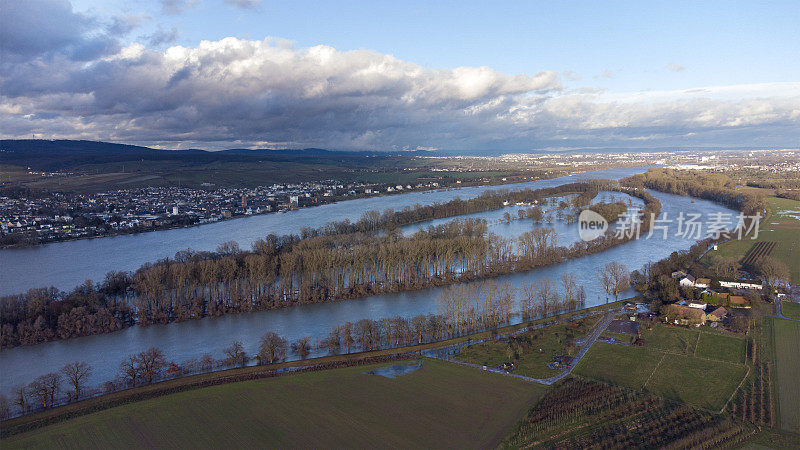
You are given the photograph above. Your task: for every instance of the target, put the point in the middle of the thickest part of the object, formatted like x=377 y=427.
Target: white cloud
x=675 y=67
x=245 y=4
x=79 y=82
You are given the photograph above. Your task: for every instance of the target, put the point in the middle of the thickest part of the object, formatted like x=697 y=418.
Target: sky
x=402 y=75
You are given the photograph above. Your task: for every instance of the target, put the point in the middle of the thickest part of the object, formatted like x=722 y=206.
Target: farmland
x=758 y=251
x=721 y=347
x=334 y=408
x=699 y=368
x=582 y=414
x=787 y=356
x=791 y=309
x=781 y=227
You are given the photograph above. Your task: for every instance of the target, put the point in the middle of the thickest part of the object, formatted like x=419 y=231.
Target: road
x=446 y=353
x=779 y=313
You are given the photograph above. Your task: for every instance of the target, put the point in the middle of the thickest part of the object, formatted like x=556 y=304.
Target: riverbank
x=341 y=261
x=60 y=413
x=70 y=263
x=378 y=191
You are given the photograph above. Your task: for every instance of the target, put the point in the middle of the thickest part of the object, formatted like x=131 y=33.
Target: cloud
x=162 y=36
x=77 y=81
x=39 y=27
x=245 y=4
x=674 y=67
x=605 y=74
x=175 y=7
x=122 y=25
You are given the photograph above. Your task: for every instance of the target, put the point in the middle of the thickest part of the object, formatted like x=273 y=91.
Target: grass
x=698 y=368
x=39 y=419
x=622 y=337
x=536 y=349
x=334 y=408
x=671 y=338
x=777 y=227
x=768 y=438
x=721 y=347
x=790 y=309
x=624 y=366
x=696 y=381
x=787 y=355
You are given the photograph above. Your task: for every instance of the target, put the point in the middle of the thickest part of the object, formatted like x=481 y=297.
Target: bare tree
x=620 y=277
x=207 y=362
x=21 y=398
x=272 y=348
x=235 y=355
x=129 y=370
x=775 y=272
x=76 y=374
x=347 y=336
x=606 y=280
x=527 y=301
x=302 y=347
x=546 y=296
x=45 y=388
x=570 y=284
x=151 y=362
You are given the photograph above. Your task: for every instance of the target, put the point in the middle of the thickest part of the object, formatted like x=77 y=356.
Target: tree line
x=463 y=309
x=339 y=261
x=716 y=187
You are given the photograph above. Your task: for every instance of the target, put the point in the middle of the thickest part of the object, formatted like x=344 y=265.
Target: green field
x=624 y=366
x=768 y=438
x=435 y=406
x=787 y=356
x=777 y=227
x=790 y=309
x=672 y=338
x=725 y=348
x=536 y=349
x=699 y=368
x=696 y=381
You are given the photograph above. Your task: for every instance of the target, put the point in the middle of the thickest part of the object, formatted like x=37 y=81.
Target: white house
x=698 y=305
x=739 y=284
x=688 y=280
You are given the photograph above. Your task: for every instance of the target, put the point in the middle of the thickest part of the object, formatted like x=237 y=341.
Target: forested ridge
x=341 y=260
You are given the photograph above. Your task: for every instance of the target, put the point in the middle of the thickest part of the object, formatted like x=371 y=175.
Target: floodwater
x=192 y=339
x=67 y=264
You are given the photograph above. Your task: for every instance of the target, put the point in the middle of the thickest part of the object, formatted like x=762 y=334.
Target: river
x=191 y=339
x=67 y=264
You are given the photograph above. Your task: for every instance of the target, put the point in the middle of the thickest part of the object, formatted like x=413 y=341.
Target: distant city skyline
x=216 y=74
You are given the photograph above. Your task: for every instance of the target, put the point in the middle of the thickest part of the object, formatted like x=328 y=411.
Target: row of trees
x=339 y=261
x=463 y=309
x=45 y=391
x=716 y=187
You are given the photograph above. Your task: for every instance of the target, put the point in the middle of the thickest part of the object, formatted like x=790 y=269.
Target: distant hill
x=63 y=154
x=48 y=147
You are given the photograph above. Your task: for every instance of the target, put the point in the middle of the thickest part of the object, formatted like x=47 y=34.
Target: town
x=58 y=216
